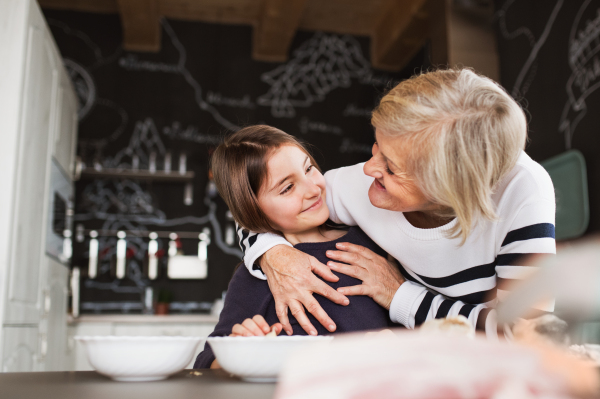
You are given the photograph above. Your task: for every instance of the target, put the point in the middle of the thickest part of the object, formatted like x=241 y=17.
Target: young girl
x=272 y=184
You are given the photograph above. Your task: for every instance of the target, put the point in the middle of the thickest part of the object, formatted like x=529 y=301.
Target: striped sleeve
x=255 y=245
x=531 y=235
x=479 y=288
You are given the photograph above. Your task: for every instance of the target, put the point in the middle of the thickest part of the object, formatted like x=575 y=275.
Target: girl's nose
x=312 y=189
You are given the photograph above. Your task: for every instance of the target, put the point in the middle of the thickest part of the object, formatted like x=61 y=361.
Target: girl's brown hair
x=239 y=167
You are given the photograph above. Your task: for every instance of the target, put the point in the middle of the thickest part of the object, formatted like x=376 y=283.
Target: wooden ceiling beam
x=141 y=25
x=402 y=31
x=99 y=6
x=275 y=29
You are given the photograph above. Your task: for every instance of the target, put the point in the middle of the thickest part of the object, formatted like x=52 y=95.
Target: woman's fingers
x=323 y=289
x=292 y=282
x=297 y=311
x=354 y=290
x=314 y=308
x=281 y=309
x=323 y=271
x=251 y=326
x=356 y=249
x=349 y=270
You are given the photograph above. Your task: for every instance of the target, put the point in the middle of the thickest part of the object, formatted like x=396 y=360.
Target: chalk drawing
x=306 y=126
x=584 y=53
x=145 y=139
x=528 y=70
x=189 y=78
x=321 y=64
x=84 y=86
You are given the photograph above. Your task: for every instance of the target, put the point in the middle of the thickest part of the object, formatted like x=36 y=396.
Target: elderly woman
x=449 y=193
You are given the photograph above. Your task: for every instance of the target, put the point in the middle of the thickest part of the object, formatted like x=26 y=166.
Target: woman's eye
x=288 y=188
x=309 y=168
x=387 y=169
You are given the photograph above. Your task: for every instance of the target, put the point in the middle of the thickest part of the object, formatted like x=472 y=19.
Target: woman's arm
x=530 y=235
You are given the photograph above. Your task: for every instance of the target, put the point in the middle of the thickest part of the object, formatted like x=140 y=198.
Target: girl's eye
x=288 y=188
x=309 y=168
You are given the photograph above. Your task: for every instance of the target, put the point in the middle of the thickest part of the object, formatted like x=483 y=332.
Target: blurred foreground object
x=457 y=326
x=572 y=278
x=413 y=365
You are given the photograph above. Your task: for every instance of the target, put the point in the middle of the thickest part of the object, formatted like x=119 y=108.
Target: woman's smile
x=378 y=184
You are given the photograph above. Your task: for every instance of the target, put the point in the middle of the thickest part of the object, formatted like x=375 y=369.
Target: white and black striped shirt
x=443 y=277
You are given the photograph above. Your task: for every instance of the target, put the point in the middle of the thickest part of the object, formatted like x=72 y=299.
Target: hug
x=436 y=224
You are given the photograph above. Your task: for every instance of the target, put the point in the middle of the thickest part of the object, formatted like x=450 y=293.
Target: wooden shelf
x=159 y=175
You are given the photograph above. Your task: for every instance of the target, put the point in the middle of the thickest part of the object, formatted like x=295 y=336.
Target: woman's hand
x=292 y=283
x=254 y=327
x=380 y=278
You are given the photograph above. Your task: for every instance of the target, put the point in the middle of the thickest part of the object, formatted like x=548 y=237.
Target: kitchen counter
x=142 y=318
x=207 y=384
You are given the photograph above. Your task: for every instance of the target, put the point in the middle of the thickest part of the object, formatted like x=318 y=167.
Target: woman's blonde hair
x=464 y=133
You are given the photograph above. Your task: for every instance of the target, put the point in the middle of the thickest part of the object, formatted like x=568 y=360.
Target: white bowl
x=125 y=358
x=258 y=359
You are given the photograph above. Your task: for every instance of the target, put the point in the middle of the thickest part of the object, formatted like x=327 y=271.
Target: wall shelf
x=159 y=175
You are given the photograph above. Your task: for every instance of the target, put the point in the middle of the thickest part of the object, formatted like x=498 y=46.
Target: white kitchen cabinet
x=65 y=138
x=20 y=349
x=53 y=324
x=38 y=127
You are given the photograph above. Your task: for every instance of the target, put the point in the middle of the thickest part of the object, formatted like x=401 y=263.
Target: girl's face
x=293 y=195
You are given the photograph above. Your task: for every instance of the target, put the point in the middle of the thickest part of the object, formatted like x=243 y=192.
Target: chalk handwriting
x=132 y=63
x=219 y=99
x=584 y=53
x=306 y=126
x=350 y=146
x=353 y=110
x=176 y=132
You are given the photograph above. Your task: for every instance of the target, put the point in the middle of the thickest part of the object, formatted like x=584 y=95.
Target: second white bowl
x=258 y=359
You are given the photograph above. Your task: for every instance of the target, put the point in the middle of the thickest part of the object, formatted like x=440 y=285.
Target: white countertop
x=142 y=318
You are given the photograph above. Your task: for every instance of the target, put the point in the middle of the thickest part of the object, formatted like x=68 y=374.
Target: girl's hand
x=380 y=278
x=254 y=327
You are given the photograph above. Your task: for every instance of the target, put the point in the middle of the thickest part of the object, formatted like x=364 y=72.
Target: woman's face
x=393 y=188
x=293 y=195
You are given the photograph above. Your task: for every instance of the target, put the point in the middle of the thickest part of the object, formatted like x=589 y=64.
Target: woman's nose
x=372 y=167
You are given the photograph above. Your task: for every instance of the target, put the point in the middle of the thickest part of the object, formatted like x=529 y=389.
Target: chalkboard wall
x=550 y=61
x=200 y=86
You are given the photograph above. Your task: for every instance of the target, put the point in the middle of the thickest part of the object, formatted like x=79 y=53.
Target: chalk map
x=133 y=105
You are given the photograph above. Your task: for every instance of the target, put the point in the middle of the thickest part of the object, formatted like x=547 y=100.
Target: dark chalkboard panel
x=201 y=85
x=550 y=62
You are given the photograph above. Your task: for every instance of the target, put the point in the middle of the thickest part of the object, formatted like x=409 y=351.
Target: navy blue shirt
x=248 y=296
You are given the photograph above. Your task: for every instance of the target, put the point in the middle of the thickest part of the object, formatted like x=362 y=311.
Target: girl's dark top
x=248 y=296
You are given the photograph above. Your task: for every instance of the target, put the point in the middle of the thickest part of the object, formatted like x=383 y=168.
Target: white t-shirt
x=443 y=277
